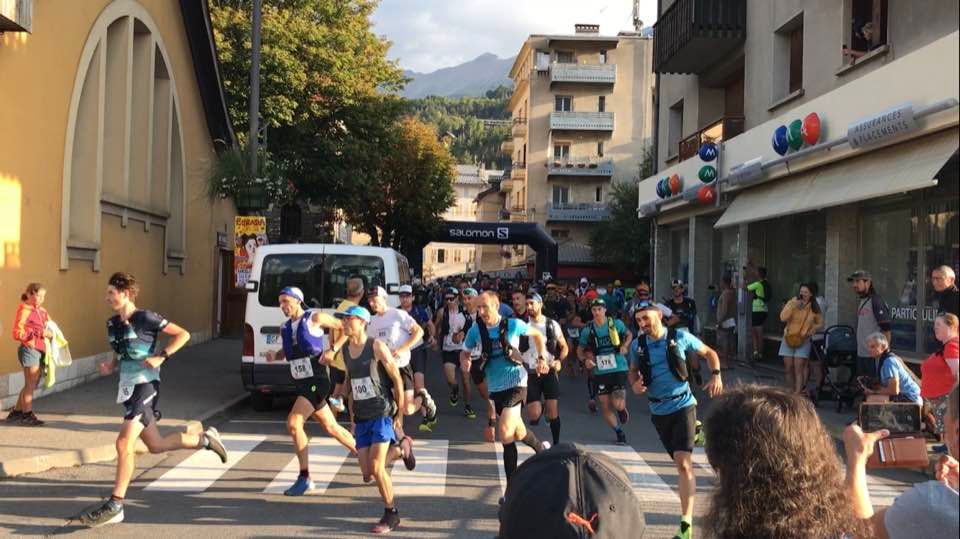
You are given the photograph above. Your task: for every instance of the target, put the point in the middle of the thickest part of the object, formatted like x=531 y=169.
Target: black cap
x=860 y=275
x=567 y=491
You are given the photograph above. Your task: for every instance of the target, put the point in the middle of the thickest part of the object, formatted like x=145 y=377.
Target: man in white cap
x=584 y=286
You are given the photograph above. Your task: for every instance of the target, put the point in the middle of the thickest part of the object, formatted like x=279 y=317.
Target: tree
x=404 y=189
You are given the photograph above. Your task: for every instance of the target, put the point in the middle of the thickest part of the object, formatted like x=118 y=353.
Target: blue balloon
x=780 y=144
x=660 y=189
x=708 y=151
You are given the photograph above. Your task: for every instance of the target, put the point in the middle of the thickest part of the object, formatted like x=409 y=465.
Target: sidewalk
x=82 y=422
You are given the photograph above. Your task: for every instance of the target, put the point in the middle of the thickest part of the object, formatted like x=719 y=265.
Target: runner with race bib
x=603 y=343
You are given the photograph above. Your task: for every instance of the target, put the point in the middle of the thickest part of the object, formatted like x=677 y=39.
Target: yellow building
x=111 y=110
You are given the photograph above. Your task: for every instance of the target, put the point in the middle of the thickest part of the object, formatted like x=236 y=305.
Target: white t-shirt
x=530 y=356
x=457 y=322
x=394 y=327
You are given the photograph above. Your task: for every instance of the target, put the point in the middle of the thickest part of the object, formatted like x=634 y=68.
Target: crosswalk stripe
x=647 y=484
x=326 y=458
x=203 y=468
x=523 y=453
x=429 y=478
x=700 y=459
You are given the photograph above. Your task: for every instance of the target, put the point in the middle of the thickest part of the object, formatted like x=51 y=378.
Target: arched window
x=124 y=146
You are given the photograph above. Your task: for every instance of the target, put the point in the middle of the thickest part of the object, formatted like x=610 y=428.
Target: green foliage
x=231 y=173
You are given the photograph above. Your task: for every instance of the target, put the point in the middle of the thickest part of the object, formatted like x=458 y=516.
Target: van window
x=403 y=269
x=322 y=279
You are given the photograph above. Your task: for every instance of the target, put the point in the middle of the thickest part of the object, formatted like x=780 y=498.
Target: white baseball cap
x=405 y=289
x=377 y=291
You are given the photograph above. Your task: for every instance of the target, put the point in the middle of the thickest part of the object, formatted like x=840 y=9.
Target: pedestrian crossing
x=653 y=478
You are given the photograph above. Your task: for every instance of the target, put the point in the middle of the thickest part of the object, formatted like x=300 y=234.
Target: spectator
x=777 y=469
x=946 y=295
x=873 y=315
x=727 y=323
x=895 y=379
x=930 y=509
x=761 y=290
x=939 y=370
x=801 y=317
x=584 y=285
x=30 y=330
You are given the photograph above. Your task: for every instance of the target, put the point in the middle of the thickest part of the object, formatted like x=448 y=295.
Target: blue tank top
x=304 y=343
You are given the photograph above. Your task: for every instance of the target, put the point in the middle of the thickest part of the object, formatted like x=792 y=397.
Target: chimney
x=587 y=28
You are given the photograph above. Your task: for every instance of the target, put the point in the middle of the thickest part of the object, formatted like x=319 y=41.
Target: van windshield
x=322 y=278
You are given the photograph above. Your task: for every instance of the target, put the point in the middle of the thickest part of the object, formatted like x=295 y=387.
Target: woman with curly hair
x=778 y=472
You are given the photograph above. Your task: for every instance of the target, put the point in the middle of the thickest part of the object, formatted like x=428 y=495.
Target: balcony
x=581 y=121
x=583 y=73
x=723 y=129
x=506 y=147
x=506 y=185
x=519 y=127
x=518 y=172
x=691 y=36
x=582 y=213
x=580 y=167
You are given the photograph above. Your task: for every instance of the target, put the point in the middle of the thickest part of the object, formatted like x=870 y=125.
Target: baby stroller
x=837 y=352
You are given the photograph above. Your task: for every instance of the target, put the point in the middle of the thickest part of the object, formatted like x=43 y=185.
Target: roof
x=525 y=48
x=572 y=253
x=206 y=66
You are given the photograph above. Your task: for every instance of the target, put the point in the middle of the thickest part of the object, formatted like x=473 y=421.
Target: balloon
x=811 y=128
x=708 y=151
x=707 y=174
x=676 y=184
x=780 y=140
x=660 y=189
x=706 y=195
x=794 y=139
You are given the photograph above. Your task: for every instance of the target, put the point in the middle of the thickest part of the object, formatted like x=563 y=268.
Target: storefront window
x=889 y=246
x=725 y=259
x=680 y=254
x=942 y=248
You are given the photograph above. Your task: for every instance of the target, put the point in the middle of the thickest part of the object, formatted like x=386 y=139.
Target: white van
x=321 y=271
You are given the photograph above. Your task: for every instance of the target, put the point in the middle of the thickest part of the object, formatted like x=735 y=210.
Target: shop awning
x=895 y=169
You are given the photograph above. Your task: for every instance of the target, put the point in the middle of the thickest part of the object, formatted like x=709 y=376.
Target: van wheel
x=261 y=402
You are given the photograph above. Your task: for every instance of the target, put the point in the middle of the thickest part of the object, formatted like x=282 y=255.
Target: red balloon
x=675 y=184
x=706 y=195
x=810 y=131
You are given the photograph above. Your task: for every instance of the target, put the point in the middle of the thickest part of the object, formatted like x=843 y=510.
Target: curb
x=101 y=453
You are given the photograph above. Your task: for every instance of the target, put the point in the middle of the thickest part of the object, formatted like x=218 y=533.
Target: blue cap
x=470 y=292
x=647 y=305
x=293 y=292
x=534 y=297
x=355 y=310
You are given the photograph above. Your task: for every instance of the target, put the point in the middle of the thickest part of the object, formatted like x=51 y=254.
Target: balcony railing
x=723 y=129
x=582 y=121
x=506 y=147
x=693 y=35
x=518 y=172
x=506 y=185
x=585 y=212
x=580 y=167
x=585 y=73
x=519 y=127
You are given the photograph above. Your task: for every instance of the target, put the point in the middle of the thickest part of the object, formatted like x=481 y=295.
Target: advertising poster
x=251 y=233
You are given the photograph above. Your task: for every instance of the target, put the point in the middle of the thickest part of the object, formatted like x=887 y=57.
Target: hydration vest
x=551 y=336
x=486 y=343
x=675 y=358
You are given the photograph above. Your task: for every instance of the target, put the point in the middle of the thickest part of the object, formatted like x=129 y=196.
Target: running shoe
x=698 y=437
x=546 y=445
x=429 y=404
x=592 y=406
x=110 y=511
x=215 y=444
x=302 y=486
x=623 y=416
x=406 y=452
x=468 y=412
x=336 y=404
x=14 y=416
x=621 y=438
x=30 y=419
x=389 y=522
x=685 y=532
x=425 y=425
x=454 y=398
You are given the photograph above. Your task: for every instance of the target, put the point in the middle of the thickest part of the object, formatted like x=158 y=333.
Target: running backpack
x=551 y=339
x=767 y=291
x=611 y=332
x=675 y=358
x=486 y=343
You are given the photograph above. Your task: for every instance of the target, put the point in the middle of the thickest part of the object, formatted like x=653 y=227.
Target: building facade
x=870 y=182
x=112 y=110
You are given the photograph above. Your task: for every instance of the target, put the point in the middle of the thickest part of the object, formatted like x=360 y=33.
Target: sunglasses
x=452 y=298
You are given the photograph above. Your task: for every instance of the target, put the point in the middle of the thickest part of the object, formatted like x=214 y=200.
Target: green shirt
x=759 y=301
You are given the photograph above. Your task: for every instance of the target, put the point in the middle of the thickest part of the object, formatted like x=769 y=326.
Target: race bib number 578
x=606 y=362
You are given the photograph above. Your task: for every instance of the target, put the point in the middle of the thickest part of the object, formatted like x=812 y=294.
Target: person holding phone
x=801 y=318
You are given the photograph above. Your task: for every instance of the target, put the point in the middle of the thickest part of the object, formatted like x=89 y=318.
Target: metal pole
x=254 y=87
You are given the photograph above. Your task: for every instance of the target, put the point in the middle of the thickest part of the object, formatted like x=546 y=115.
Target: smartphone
x=896 y=417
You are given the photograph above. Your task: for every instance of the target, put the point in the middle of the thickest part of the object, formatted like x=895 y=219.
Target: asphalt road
x=453 y=492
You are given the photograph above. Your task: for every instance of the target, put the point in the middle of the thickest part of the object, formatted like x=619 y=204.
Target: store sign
x=910 y=312
x=881 y=127
x=501 y=233
x=251 y=233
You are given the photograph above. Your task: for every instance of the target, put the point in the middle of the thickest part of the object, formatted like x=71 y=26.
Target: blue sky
x=430 y=34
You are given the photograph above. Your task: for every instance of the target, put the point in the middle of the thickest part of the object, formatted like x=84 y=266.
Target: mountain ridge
x=472 y=78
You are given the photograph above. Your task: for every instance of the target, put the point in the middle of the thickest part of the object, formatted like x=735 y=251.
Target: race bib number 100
x=362 y=388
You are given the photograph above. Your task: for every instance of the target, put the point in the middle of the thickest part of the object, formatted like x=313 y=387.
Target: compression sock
x=118 y=499
x=555 y=430
x=509 y=459
x=532 y=442
x=305 y=472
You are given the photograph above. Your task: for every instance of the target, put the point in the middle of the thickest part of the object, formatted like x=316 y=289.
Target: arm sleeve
x=754 y=286
x=406 y=321
x=888 y=371
x=473 y=336
x=584 y=335
x=154 y=321
x=690 y=341
x=621 y=329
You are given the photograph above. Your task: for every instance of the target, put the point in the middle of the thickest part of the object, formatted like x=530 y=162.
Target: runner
x=473 y=368
x=418 y=356
x=546 y=385
x=133 y=336
x=658 y=368
x=685 y=309
x=603 y=344
x=519 y=301
x=505 y=375
x=581 y=318
x=374 y=408
x=303 y=347
x=400 y=332
x=449 y=322
x=354 y=290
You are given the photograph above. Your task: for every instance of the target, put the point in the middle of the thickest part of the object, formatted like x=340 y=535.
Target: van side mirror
x=393 y=288
x=251 y=286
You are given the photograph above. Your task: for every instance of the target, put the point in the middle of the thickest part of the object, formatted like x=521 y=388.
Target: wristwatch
x=715 y=372
x=164 y=354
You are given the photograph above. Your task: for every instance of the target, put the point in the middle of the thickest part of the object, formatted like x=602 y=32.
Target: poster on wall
x=250 y=233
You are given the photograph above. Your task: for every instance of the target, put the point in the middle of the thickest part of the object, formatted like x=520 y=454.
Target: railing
x=587 y=73
x=518 y=172
x=691 y=35
x=584 y=212
x=519 y=127
x=723 y=129
x=506 y=147
x=580 y=167
x=582 y=121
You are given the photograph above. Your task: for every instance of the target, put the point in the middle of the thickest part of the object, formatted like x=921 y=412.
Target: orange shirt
x=28 y=326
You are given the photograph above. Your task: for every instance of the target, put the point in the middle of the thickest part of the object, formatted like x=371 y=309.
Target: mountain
x=473 y=78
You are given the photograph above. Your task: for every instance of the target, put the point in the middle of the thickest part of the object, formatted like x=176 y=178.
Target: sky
x=430 y=34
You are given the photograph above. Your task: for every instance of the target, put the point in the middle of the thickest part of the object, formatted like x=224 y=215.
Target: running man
x=449 y=322
x=376 y=396
x=133 y=336
x=418 y=356
x=658 y=367
x=505 y=375
x=355 y=296
x=304 y=344
x=543 y=385
x=603 y=345
x=473 y=368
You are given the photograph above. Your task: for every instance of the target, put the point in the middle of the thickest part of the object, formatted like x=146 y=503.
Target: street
x=452 y=493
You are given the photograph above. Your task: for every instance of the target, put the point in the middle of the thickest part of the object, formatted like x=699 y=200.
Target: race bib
x=362 y=388
x=301 y=368
x=606 y=362
x=574 y=333
x=124 y=393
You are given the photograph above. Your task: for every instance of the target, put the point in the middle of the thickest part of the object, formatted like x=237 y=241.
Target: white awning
x=895 y=169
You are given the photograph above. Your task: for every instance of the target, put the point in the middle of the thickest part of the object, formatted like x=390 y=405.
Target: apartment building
x=875 y=188
x=582 y=112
